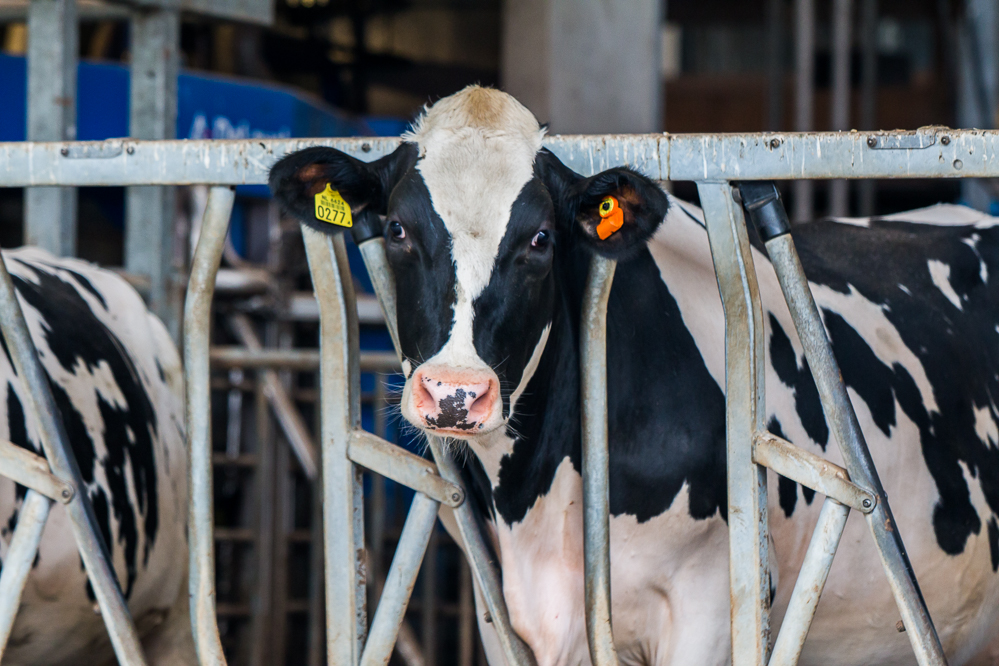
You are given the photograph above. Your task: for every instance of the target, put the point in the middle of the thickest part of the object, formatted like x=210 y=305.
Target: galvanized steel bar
x=32 y=471
x=197 y=326
x=20 y=557
x=744 y=414
x=41 y=407
x=596 y=462
x=288 y=416
x=53 y=48
x=839 y=190
x=808 y=587
x=923 y=153
x=804 y=93
x=474 y=545
x=343 y=508
x=400 y=581
x=149 y=211
x=396 y=463
x=811 y=471
x=843 y=422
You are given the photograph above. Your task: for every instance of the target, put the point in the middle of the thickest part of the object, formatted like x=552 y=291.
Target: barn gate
x=732 y=174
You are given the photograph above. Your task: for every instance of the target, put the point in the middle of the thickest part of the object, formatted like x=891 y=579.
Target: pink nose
x=457 y=401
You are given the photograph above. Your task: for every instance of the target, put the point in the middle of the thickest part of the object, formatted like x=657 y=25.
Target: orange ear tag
x=612 y=218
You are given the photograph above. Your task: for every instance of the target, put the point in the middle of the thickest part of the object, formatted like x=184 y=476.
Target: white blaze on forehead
x=477 y=150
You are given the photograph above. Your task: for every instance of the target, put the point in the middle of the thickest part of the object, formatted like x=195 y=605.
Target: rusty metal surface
x=201 y=515
x=808 y=587
x=596 y=462
x=846 y=430
x=811 y=471
x=744 y=414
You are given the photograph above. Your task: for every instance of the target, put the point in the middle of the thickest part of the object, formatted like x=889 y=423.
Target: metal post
x=343 y=506
x=846 y=430
x=839 y=192
x=483 y=571
x=596 y=477
x=868 y=90
x=745 y=405
x=808 y=587
x=804 y=94
x=775 y=65
x=53 y=45
x=428 y=610
x=41 y=408
x=400 y=581
x=149 y=211
x=201 y=522
x=19 y=559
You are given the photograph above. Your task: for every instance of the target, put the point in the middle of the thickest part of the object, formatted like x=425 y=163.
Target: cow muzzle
x=456 y=403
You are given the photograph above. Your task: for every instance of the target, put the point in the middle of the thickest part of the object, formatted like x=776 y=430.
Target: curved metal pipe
x=201 y=522
x=596 y=477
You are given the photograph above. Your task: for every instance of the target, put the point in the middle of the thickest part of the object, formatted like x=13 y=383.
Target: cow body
x=490 y=240
x=117 y=382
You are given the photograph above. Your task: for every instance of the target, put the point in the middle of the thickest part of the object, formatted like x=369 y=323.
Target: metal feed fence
x=714 y=161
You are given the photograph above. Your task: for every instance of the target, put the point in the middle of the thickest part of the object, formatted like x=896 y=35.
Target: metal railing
x=713 y=161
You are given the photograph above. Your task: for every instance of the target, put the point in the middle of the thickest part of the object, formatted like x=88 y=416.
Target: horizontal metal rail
x=935 y=152
x=232 y=356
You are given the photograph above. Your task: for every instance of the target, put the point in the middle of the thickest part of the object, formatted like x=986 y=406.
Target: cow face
x=478 y=221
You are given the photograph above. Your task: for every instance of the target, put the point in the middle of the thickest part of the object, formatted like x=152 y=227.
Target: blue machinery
x=715 y=162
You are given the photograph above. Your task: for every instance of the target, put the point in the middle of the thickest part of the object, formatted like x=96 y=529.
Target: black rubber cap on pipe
x=763 y=204
x=367 y=225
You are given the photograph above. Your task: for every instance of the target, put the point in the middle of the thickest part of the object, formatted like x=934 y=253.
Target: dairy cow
x=117 y=382
x=490 y=239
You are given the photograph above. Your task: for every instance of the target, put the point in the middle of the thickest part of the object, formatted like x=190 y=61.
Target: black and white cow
x=490 y=239
x=117 y=382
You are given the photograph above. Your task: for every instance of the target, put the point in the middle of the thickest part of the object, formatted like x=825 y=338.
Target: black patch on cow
x=6 y=352
x=75 y=336
x=799 y=379
x=787 y=490
x=994 y=543
x=83 y=282
x=423 y=269
x=956 y=347
x=17 y=426
x=453 y=412
x=159 y=370
x=648 y=346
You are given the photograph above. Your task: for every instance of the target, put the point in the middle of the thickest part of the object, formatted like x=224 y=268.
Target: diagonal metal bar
x=41 y=406
x=20 y=556
x=201 y=520
x=844 y=424
x=744 y=412
x=596 y=475
x=810 y=471
x=811 y=579
x=483 y=570
x=32 y=471
x=396 y=463
x=400 y=581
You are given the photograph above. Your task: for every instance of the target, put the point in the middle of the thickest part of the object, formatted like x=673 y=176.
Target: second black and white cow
x=117 y=382
x=490 y=239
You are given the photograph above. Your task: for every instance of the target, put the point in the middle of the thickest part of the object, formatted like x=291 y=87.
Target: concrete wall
x=585 y=66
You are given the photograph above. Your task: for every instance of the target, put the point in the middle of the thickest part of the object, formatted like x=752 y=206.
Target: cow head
x=477 y=219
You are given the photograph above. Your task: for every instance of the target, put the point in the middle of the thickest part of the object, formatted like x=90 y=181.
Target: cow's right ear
x=297 y=178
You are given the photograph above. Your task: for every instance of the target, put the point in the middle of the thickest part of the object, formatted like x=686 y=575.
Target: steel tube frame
x=197 y=327
x=845 y=427
x=400 y=581
x=596 y=461
x=712 y=160
x=41 y=407
x=19 y=558
x=811 y=579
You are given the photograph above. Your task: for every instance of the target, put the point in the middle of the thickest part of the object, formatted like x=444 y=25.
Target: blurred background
x=231 y=69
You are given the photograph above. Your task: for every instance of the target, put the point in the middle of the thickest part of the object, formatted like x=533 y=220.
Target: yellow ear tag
x=331 y=207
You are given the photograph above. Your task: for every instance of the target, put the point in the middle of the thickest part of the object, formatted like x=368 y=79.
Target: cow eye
x=396 y=230
x=542 y=239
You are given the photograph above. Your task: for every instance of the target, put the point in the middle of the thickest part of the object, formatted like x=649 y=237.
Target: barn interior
x=309 y=68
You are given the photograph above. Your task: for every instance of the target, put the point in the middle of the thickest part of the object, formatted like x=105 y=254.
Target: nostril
x=479 y=408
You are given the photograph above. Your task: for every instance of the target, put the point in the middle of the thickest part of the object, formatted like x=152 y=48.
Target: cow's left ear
x=616 y=211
